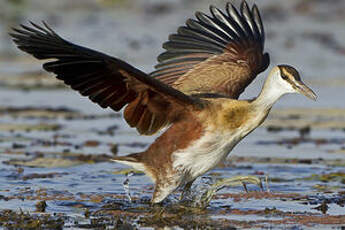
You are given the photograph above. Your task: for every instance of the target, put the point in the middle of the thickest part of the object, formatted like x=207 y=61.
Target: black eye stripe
x=289 y=74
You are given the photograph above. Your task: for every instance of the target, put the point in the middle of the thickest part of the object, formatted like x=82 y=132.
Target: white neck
x=268 y=96
x=273 y=89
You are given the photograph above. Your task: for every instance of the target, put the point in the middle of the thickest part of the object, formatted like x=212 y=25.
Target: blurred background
x=49 y=131
x=307 y=34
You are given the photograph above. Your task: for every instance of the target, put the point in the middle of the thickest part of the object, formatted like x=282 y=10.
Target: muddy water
x=55 y=146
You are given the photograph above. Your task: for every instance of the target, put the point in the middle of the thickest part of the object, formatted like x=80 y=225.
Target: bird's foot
x=227 y=182
x=186 y=192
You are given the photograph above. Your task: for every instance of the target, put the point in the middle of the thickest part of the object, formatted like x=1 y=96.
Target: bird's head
x=288 y=80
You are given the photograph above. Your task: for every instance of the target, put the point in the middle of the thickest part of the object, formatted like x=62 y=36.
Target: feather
x=236 y=37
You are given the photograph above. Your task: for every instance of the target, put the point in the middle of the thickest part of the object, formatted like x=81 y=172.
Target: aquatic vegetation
x=334 y=176
x=55 y=150
x=13 y=220
x=29 y=127
x=207 y=195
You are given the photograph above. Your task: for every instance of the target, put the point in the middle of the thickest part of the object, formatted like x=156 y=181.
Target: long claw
x=234 y=181
x=267 y=184
x=245 y=187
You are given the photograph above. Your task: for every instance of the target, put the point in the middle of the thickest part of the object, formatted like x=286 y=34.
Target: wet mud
x=56 y=147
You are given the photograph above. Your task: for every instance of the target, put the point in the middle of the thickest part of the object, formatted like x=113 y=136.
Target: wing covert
x=149 y=104
x=220 y=53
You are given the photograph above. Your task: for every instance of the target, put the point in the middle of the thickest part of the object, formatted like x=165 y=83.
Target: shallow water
x=56 y=146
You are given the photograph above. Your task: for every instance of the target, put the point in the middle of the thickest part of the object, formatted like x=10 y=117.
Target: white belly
x=205 y=153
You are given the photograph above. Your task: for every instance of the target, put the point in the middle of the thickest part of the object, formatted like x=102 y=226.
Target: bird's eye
x=284 y=77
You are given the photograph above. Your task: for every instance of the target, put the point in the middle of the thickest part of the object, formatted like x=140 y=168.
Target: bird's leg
x=162 y=190
x=244 y=180
x=245 y=187
x=267 y=184
x=186 y=190
x=226 y=182
x=157 y=209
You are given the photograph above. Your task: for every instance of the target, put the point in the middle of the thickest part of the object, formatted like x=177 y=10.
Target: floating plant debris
x=56 y=148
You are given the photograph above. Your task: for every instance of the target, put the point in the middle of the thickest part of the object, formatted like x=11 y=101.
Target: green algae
x=128 y=171
x=29 y=127
x=14 y=220
x=335 y=176
x=45 y=163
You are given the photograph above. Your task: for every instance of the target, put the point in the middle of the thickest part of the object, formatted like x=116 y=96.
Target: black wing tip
x=242 y=21
x=212 y=7
x=245 y=8
x=230 y=6
x=32 y=28
x=198 y=13
x=255 y=7
x=212 y=33
x=244 y=5
x=189 y=21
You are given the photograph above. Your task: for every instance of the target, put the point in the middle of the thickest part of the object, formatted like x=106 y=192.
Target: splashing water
x=126 y=186
x=194 y=196
x=204 y=191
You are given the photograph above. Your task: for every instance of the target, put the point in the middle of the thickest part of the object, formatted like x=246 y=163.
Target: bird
x=191 y=98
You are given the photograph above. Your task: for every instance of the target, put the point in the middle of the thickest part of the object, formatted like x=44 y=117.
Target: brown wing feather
x=107 y=81
x=221 y=53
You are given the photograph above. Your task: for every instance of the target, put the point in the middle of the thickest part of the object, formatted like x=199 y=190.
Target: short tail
x=125 y=159
x=132 y=160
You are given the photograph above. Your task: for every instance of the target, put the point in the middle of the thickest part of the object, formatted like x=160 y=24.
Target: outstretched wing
x=107 y=81
x=221 y=53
